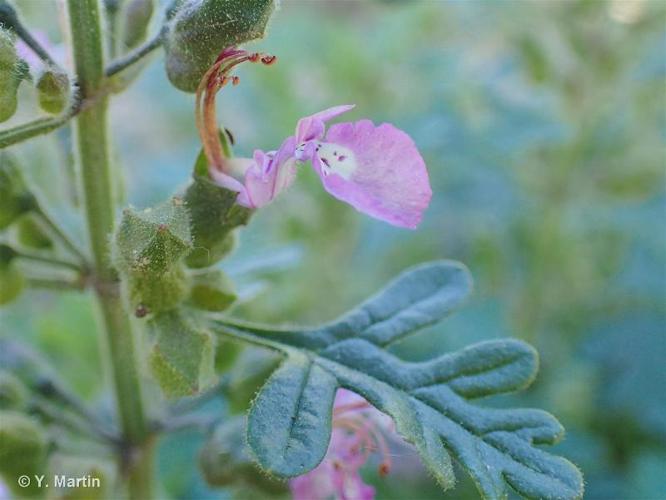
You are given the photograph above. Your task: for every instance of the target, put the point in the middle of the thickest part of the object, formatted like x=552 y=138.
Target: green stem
x=62 y=236
x=97 y=195
x=54 y=284
x=47 y=259
x=31 y=129
x=135 y=55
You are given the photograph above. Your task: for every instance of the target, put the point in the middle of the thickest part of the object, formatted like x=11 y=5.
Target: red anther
x=235 y=80
x=384 y=469
x=223 y=81
x=254 y=57
x=268 y=59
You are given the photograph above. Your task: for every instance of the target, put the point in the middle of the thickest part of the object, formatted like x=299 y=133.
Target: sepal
x=214 y=215
x=12 y=280
x=182 y=354
x=225 y=461
x=199 y=29
x=211 y=291
x=149 y=247
x=12 y=71
x=15 y=197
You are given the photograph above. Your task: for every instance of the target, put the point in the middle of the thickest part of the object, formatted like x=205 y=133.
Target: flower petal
x=269 y=175
x=377 y=170
x=312 y=127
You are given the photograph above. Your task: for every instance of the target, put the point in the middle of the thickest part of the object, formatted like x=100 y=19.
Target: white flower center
x=336 y=159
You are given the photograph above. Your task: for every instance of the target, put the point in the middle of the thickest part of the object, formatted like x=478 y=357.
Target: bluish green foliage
x=289 y=424
x=542 y=128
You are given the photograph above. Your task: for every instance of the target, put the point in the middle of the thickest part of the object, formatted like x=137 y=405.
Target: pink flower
x=357 y=432
x=376 y=169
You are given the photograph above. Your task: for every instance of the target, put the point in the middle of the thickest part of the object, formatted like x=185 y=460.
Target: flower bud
x=136 y=18
x=12 y=71
x=23 y=451
x=225 y=461
x=200 y=29
x=53 y=90
x=15 y=198
x=30 y=233
x=13 y=394
x=12 y=280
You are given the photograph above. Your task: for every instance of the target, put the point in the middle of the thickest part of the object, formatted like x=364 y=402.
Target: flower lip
x=313 y=126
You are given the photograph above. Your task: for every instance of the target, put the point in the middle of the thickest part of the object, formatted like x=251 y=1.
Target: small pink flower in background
x=358 y=431
x=57 y=51
x=376 y=169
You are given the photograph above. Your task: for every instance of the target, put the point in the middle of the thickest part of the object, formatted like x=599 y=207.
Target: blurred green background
x=543 y=127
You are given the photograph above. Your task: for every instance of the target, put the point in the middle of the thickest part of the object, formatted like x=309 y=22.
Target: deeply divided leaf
x=289 y=425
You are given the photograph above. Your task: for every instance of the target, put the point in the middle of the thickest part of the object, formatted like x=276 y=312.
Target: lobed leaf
x=289 y=424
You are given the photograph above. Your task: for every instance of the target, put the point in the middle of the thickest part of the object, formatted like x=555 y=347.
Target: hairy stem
x=54 y=284
x=98 y=201
x=47 y=259
x=32 y=129
x=59 y=233
x=135 y=55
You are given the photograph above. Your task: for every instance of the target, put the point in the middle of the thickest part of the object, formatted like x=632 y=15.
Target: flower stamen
x=213 y=80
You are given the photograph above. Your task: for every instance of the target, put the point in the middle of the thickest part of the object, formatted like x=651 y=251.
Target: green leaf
x=289 y=424
x=182 y=355
x=200 y=29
